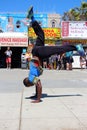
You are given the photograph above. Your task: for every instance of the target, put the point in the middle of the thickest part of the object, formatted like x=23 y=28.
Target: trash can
x=23 y=61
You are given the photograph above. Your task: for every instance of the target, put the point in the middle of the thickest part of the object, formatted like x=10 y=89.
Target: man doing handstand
x=39 y=52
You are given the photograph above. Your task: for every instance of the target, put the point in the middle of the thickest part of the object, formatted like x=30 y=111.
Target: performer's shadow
x=44 y=95
x=62 y=95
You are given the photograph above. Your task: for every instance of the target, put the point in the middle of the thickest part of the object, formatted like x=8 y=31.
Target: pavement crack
x=20 y=116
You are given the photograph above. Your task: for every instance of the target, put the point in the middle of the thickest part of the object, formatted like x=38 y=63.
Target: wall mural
x=16 y=22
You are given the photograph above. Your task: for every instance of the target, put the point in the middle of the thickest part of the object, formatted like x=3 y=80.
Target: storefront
x=17 y=42
x=52 y=35
x=74 y=32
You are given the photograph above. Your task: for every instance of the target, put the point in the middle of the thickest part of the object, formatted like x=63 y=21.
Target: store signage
x=74 y=29
x=16 y=39
x=13 y=41
x=49 y=33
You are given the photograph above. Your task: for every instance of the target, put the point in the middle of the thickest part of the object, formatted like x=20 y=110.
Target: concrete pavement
x=63 y=106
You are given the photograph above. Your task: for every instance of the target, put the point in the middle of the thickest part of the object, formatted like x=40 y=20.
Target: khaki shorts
x=36 y=79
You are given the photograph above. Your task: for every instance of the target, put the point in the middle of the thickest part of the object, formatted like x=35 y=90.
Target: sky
x=40 y=6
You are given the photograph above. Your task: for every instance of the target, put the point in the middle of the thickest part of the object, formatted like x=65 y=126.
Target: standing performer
x=40 y=52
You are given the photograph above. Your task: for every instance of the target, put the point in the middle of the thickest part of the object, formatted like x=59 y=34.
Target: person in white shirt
x=8 y=54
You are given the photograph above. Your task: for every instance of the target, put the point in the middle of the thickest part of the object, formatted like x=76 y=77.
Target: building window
x=18 y=24
x=53 y=23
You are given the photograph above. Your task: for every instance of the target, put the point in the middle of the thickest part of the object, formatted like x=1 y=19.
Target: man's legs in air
x=37 y=28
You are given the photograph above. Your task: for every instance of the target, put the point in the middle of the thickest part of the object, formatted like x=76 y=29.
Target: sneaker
x=30 y=13
x=80 y=50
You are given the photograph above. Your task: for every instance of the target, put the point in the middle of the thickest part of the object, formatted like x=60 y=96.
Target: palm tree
x=76 y=14
x=83 y=11
x=65 y=17
x=71 y=15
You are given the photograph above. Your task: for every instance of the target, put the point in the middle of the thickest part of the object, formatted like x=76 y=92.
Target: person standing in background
x=69 y=60
x=83 y=62
x=28 y=57
x=86 y=57
x=8 y=54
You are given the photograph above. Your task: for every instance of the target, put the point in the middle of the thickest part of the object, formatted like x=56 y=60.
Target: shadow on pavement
x=44 y=95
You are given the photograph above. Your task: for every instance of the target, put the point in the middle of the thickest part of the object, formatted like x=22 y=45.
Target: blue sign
x=16 y=22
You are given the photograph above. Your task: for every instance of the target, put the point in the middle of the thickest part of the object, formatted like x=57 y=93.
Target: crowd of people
x=59 y=62
x=64 y=61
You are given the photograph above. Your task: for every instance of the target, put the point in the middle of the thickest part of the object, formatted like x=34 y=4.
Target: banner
x=18 y=42
x=50 y=33
x=74 y=29
x=13 y=39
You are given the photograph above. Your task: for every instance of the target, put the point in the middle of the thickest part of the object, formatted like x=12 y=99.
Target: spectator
x=69 y=60
x=58 y=62
x=86 y=57
x=45 y=63
x=63 y=61
x=8 y=54
x=82 y=62
x=28 y=57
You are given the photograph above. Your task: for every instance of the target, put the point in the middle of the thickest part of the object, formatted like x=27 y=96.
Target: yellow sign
x=50 y=33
